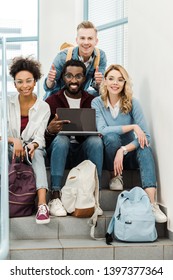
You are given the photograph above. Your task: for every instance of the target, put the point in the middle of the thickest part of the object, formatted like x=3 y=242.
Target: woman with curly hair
x=27 y=120
x=120 y=120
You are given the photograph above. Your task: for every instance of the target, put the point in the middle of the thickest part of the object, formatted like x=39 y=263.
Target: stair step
x=87 y=249
x=63 y=227
x=68 y=238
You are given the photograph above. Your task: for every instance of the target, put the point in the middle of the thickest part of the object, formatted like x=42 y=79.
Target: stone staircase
x=68 y=238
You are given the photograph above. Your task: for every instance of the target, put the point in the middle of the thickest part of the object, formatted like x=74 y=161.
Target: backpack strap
x=93 y=220
x=110 y=229
x=97 y=58
x=69 y=53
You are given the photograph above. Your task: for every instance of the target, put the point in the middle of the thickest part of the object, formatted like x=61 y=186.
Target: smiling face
x=24 y=83
x=73 y=79
x=114 y=81
x=86 y=40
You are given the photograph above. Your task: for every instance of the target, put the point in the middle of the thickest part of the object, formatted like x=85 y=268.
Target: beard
x=73 y=91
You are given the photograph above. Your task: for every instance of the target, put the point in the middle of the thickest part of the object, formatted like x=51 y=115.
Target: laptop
x=83 y=121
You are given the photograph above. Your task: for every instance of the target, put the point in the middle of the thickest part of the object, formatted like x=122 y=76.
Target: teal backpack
x=133 y=220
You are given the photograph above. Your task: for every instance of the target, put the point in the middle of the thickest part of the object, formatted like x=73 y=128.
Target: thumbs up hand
x=52 y=73
x=51 y=76
x=98 y=76
x=97 y=69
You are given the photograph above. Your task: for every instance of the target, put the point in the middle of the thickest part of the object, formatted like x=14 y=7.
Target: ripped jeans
x=139 y=158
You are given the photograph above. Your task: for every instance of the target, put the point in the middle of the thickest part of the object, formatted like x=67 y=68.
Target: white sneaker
x=116 y=183
x=56 y=208
x=158 y=214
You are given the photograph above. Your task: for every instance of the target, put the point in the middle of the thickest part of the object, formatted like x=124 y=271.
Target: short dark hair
x=73 y=62
x=29 y=64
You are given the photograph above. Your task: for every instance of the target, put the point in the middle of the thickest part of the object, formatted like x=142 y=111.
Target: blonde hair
x=126 y=93
x=86 y=24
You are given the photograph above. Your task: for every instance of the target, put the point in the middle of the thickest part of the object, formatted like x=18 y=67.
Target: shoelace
x=120 y=179
x=42 y=209
x=155 y=206
x=57 y=202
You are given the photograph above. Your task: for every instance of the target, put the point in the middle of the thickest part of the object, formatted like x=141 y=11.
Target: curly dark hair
x=29 y=64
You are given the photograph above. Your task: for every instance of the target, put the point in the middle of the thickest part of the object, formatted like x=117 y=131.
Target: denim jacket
x=59 y=62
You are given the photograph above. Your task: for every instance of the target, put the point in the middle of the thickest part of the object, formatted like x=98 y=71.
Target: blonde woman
x=120 y=120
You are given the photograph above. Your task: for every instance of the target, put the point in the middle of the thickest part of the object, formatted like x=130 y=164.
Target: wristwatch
x=124 y=150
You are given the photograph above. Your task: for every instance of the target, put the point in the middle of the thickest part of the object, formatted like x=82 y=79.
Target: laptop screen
x=82 y=121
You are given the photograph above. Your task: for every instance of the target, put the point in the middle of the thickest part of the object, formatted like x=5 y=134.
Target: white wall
x=58 y=23
x=151 y=69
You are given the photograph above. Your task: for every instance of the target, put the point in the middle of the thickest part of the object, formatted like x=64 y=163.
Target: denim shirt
x=59 y=62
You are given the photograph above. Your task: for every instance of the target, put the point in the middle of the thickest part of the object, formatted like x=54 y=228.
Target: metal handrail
x=4 y=211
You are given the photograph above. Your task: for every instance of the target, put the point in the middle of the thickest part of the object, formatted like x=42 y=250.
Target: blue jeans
x=139 y=158
x=65 y=155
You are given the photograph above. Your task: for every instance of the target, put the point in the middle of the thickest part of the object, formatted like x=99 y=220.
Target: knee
x=145 y=154
x=38 y=161
x=38 y=152
x=146 y=151
x=99 y=144
x=38 y=155
x=112 y=139
x=95 y=142
x=61 y=142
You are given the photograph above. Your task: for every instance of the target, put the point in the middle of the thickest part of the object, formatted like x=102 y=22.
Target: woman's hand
x=31 y=147
x=18 y=150
x=142 y=139
x=118 y=162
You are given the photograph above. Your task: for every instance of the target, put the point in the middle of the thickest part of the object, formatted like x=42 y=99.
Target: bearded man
x=65 y=152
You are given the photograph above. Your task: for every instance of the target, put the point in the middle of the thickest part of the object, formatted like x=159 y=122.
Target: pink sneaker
x=42 y=216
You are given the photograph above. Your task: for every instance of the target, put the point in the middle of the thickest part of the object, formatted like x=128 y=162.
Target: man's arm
x=53 y=82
